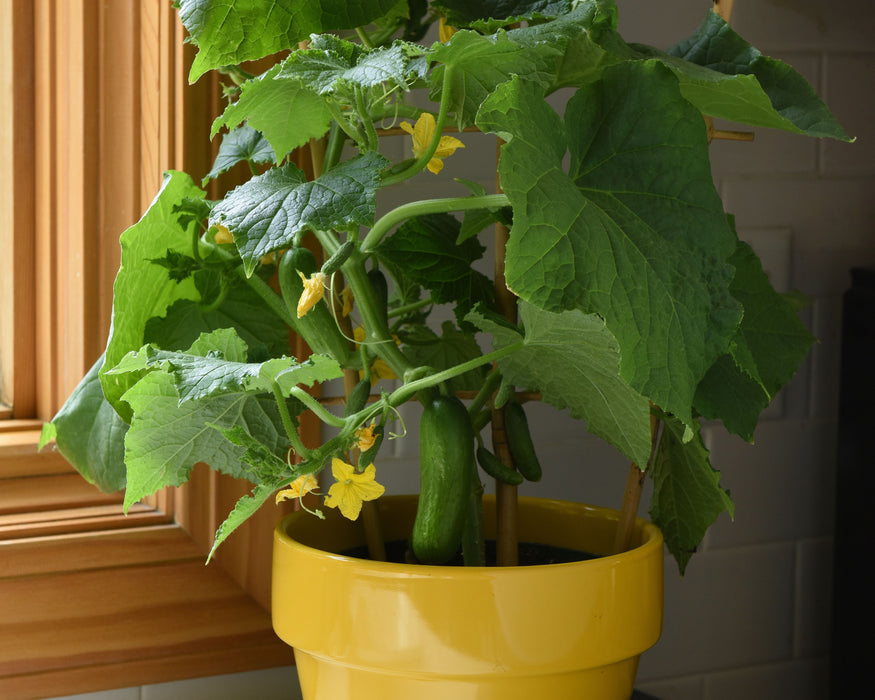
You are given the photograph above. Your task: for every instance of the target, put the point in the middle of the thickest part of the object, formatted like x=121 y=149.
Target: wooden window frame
x=90 y=599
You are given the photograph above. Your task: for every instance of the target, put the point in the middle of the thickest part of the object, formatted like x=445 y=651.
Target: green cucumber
x=381 y=292
x=317 y=326
x=519 y=441
x=358 y=397
x=446 y=454
x=340 y=256
x=493 y=466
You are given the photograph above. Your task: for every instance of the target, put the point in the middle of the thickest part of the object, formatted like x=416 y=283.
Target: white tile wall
x=751 y=617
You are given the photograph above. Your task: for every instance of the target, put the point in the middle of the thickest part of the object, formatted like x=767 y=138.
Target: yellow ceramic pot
x=365 y=630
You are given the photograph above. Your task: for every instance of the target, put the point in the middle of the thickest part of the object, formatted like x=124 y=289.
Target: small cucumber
x=381 y=292
x=357 y=398
x=519 y=440
x=493 y=466
x=446 y=453
x=317 y=327
x=341 y=255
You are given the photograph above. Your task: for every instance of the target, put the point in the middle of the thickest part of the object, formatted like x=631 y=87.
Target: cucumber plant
x=636 y=300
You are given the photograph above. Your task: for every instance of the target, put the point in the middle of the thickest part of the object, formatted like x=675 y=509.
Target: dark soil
x=530 y=554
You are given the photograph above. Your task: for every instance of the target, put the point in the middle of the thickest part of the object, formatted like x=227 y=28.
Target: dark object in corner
x=852 y=647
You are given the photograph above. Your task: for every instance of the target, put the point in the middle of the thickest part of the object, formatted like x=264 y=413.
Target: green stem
x=321 y=412
x=217 y=302
x=489 y=385
x=364 y=37
x=367 y=121
x=435 y=139
x=270 y=297
x=334 y=149
x=412 y=306
x=403 y=393
x=429 y=206
x=291 y=430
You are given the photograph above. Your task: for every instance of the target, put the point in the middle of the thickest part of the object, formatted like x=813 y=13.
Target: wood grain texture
x=91 y=599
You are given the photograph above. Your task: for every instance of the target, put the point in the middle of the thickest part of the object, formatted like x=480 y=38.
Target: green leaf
x=687 y=496
x=233 y=31
x=288 y=113
x=142 y=289
x=241 y=144
x=241 y=310
x=266 y=213
x=245 y=508
x=167 y=438
x=331 y=63
x=573 y=360
x=90 y=434
x=452 y=347
x=745 y=86
x=466 y=12
x=769 y=346
x=553 y=54
x=634 y=232
x=425 y=249
x=264 y=463
x=216 y=365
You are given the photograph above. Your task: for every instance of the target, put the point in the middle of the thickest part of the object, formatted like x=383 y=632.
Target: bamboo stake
x=632 y=493
x=370 y=515
x=507 y=524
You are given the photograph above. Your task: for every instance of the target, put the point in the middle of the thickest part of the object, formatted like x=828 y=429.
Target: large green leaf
x=770 y=345
x=745 y=86
x=424 y=249
x=232 y=31
x=90 y=434
x=634 y=231
x=452 y=347
x=554 y=54
x=465 y=12
x=687 y=496
x=267 y=212
x=167 y=438
x=143 y=289
x=574 y=361
x=241 y=309
x=288 y=113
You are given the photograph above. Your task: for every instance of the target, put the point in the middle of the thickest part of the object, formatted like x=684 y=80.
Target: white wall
x=751 y=618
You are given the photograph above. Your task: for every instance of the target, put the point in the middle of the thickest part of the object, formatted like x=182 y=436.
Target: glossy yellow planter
x=365 y=630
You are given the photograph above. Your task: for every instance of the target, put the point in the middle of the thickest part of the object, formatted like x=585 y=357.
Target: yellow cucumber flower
x=445 y=31
x=314 y=288
x=223 y=235
x=298 y=488
x=351 y=489
x=347 y=301
x=379 y=368
x=365 y=437
x=422 y=135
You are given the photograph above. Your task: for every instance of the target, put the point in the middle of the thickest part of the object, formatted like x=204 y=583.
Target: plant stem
x=291 y=430
x=270 y=297
x=429 y=206
x=403 y=393
x=490 y=383
x=412 y=306
x=321 y=412
x=334 y=149
x=364 y=37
